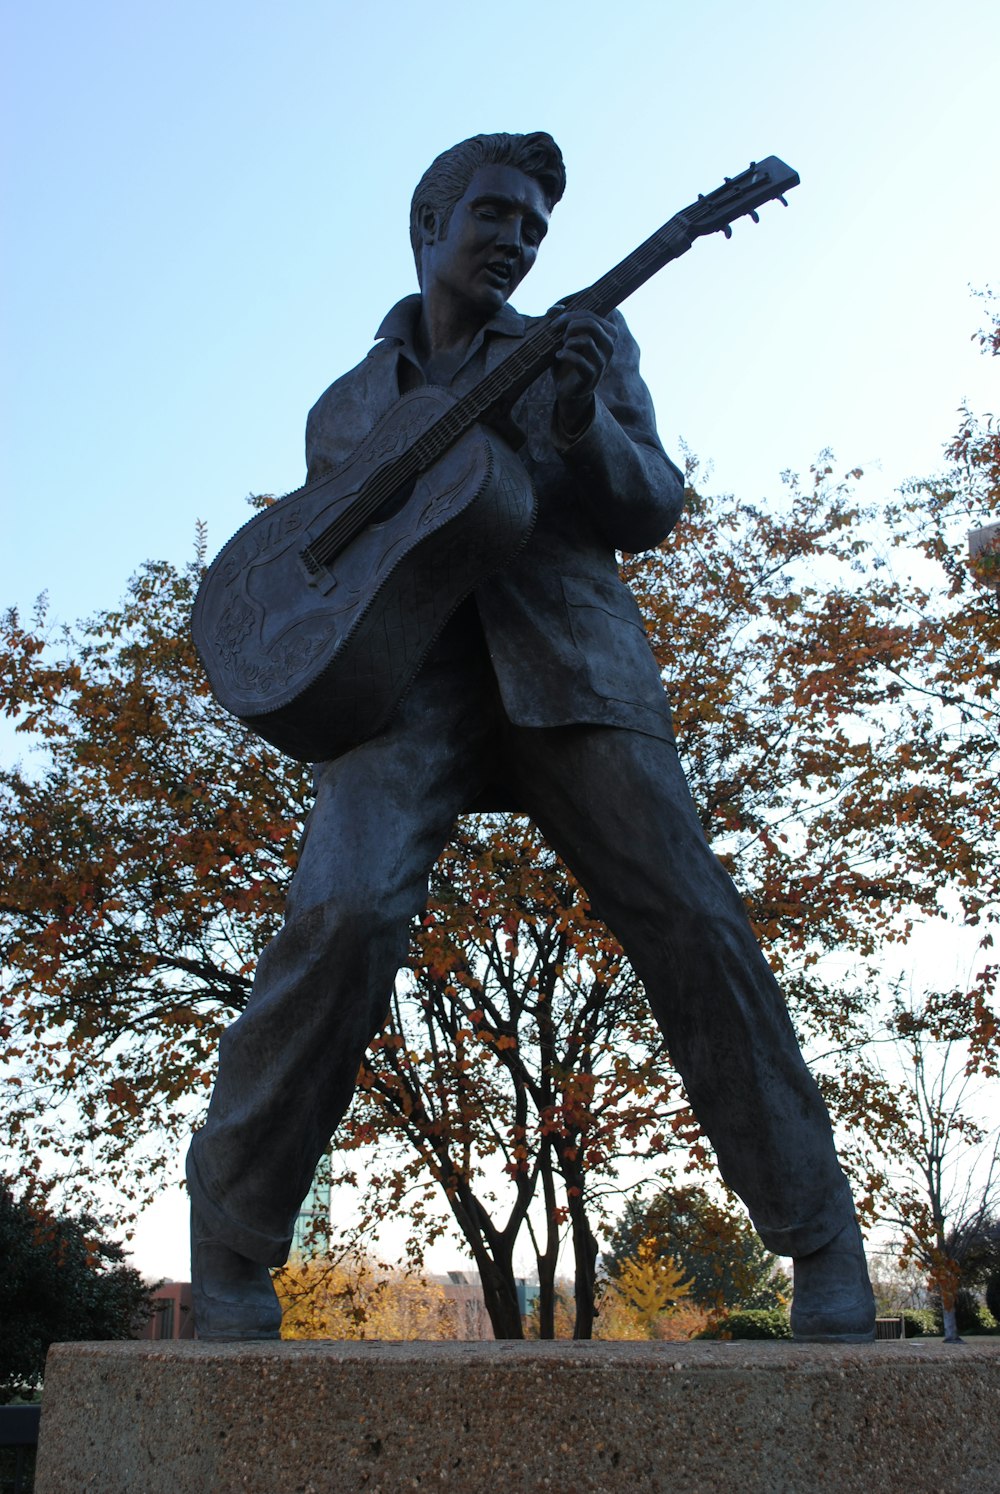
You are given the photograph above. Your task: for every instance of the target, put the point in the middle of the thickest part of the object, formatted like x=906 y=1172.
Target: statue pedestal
x=321 y=1418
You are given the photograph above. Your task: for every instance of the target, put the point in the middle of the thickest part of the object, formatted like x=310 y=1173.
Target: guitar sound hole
x=391 y=507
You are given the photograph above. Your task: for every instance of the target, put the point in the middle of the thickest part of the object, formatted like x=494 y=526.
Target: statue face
x=491 y=242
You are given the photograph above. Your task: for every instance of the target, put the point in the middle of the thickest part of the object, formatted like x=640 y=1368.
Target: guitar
x=315 y=617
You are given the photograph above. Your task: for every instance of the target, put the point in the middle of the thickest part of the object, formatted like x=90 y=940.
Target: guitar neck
x=522 y=367
x=500 y=388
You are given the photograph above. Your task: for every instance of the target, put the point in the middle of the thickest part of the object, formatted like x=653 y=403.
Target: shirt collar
x=401 y=324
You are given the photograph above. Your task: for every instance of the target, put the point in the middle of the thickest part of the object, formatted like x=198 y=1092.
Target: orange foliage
x=832 y=668
x=355 y=1299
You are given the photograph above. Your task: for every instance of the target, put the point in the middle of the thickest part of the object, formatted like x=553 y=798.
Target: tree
x=142 y=871
x=935 y=1195
x=647 y=1284
x=833 y=668
x=991 y=1267
x=520 y=1049
x=354 y=1299
x=61 y=1281
x=133 y=913
x=713 y=1245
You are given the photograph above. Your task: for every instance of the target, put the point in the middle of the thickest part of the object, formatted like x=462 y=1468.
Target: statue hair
x=450 y=173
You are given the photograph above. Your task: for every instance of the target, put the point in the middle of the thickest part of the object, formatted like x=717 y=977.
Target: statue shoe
x=233 y=1296
x=832 y=1296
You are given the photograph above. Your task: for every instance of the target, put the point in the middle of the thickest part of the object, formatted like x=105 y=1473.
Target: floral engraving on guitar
x=439 y=502
x=277 y=670
x=232 y=630
x=394 y=437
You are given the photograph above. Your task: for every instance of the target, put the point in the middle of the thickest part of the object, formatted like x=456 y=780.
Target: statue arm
x=634 y=492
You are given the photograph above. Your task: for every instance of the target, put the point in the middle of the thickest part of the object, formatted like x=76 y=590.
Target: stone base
x=489 y=1418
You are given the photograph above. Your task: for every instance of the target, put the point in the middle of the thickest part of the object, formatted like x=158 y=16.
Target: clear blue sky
x=206 y=211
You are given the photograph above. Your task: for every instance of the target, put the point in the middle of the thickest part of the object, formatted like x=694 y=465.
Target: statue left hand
x=588 y=343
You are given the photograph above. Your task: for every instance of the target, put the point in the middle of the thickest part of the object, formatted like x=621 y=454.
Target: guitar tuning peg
x=782 y=200
x=755 y=216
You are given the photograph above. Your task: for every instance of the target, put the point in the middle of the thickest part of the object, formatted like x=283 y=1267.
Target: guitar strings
x=521 y=367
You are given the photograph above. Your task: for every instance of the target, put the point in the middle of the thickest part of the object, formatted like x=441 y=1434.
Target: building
x=311 y=1234
x=172 y=1317
x=464 y=1290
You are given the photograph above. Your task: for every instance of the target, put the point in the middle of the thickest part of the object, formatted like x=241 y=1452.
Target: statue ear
x=428 y=226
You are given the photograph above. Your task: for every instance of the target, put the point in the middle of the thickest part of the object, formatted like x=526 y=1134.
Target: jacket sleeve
x=634 y=492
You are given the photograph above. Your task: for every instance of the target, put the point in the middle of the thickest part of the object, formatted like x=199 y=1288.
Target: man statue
x=541 y=693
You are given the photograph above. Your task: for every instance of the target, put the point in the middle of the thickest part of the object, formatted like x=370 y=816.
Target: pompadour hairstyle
x=450 y=173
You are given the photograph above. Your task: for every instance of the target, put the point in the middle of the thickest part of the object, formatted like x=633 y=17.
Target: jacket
x=564 y=632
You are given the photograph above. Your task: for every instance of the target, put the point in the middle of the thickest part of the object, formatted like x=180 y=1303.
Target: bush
x=971 y=1316
x=917 y=1321
x=60 y=1281
x=754 y=1323
x=993 y=1295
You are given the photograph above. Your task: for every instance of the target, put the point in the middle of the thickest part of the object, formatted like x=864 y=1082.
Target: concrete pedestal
x=487 y=1418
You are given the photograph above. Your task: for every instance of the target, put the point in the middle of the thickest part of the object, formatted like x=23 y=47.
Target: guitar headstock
x=740 y=197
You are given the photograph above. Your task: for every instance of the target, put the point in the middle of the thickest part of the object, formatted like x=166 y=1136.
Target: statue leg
x=616 y=806
x=289 y=1064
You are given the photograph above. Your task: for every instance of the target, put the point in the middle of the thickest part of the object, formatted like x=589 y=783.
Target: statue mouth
x=501 y=270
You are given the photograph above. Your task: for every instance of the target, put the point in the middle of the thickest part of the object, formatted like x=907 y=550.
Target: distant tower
x=311 y=1235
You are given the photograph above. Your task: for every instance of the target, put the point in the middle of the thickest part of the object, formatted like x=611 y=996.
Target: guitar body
x=316 y=660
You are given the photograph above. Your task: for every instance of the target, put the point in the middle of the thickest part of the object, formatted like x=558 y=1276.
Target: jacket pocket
x=608 y=630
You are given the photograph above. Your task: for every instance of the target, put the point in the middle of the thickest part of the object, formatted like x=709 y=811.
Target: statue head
x=449 y=174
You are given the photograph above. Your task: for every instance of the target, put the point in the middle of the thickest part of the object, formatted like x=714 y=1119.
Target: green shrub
x=974 y=1317
x=993 y=1295
x=769 y=1322
x=971 y=1315
x=61 y=1281
x=918 y=1321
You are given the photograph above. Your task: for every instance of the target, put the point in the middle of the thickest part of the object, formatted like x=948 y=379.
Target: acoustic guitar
x=316 y=616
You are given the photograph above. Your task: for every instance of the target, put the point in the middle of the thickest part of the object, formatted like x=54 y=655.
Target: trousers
x=615 y=805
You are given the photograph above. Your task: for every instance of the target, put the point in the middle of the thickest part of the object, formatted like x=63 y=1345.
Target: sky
x=207 y=203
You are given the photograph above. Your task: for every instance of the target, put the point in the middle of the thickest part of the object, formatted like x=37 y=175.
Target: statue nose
x=509 y=236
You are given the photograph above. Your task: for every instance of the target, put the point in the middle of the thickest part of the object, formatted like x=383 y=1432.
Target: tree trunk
x=500 y=1296
x=949 y=1319
x=584 y=1245
x=949 y=1278
x=549 y=1258
x=950 y=1322
x=585 y=1253
x=493 y=1254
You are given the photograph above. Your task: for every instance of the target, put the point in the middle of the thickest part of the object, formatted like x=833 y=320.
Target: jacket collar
x=400 y=325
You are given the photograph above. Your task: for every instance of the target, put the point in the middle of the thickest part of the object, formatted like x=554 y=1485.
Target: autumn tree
x=353 y=1298
x=145 y=871
x=147 y=842
x=837 y=721
x=832 y=664
x=712 y=1243
x=520 y=1052
x=647 y=1286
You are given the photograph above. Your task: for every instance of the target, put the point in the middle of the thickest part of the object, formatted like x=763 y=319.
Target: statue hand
x=587 y=346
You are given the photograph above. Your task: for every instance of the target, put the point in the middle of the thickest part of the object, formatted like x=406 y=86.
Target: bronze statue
x=540 y=693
